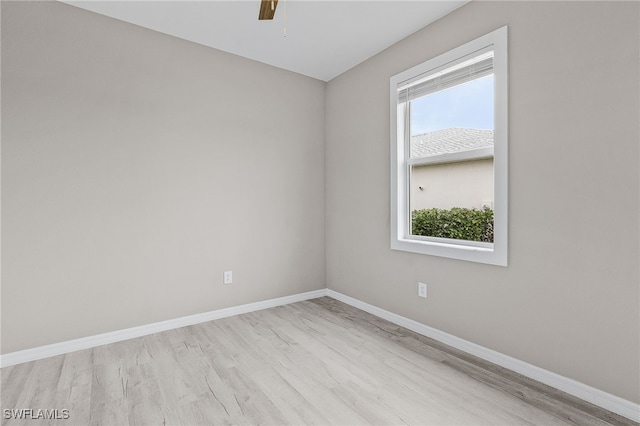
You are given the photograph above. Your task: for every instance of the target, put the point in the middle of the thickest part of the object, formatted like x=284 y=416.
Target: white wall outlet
x=422 y=289
x=228 y=277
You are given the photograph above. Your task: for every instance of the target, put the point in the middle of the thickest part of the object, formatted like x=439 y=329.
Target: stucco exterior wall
x=465 y=184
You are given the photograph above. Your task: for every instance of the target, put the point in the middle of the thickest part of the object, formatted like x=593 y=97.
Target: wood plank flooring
x=318 y=362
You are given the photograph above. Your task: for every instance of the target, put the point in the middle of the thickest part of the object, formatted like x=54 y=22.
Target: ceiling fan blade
x=267 y=9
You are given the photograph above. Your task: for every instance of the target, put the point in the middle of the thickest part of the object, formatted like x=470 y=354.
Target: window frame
x=496 y=253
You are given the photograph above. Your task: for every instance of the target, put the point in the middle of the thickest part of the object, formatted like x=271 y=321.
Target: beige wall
x=569 y=299
x=467 y=184
x=124 y=187
x=125 y=196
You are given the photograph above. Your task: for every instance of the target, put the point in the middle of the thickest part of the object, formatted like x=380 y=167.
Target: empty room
x=320 y=212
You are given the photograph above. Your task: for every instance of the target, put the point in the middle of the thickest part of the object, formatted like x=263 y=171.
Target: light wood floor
x=314 y=362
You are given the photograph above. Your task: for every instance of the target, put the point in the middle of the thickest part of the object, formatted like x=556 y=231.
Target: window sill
x=460 y=251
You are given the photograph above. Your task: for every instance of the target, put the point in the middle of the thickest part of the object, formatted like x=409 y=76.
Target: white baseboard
x=590 y=394
x=585 y=392
x=54 y=349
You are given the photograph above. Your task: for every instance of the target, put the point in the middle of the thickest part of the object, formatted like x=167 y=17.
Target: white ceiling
x=323 y=38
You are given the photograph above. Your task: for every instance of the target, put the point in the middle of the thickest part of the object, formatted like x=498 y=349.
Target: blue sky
x=467 y=105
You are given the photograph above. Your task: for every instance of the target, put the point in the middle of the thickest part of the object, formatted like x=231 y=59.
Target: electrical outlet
x=228 y=277
x=422 y=289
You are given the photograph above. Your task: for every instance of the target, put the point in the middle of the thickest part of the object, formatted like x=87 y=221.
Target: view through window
x=451 y=156
x=449 y=153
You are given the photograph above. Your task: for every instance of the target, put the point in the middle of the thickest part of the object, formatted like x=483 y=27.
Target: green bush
x=457 y=223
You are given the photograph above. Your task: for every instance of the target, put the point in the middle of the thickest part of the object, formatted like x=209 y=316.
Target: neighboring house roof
x=450 y=140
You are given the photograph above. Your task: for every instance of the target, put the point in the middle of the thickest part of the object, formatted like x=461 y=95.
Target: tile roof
x=450 y=140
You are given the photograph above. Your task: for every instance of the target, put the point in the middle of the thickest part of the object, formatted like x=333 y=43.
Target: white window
x=449 y=154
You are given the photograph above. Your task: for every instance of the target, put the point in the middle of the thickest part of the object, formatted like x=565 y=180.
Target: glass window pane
x=452 y=120
x=453 y=199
